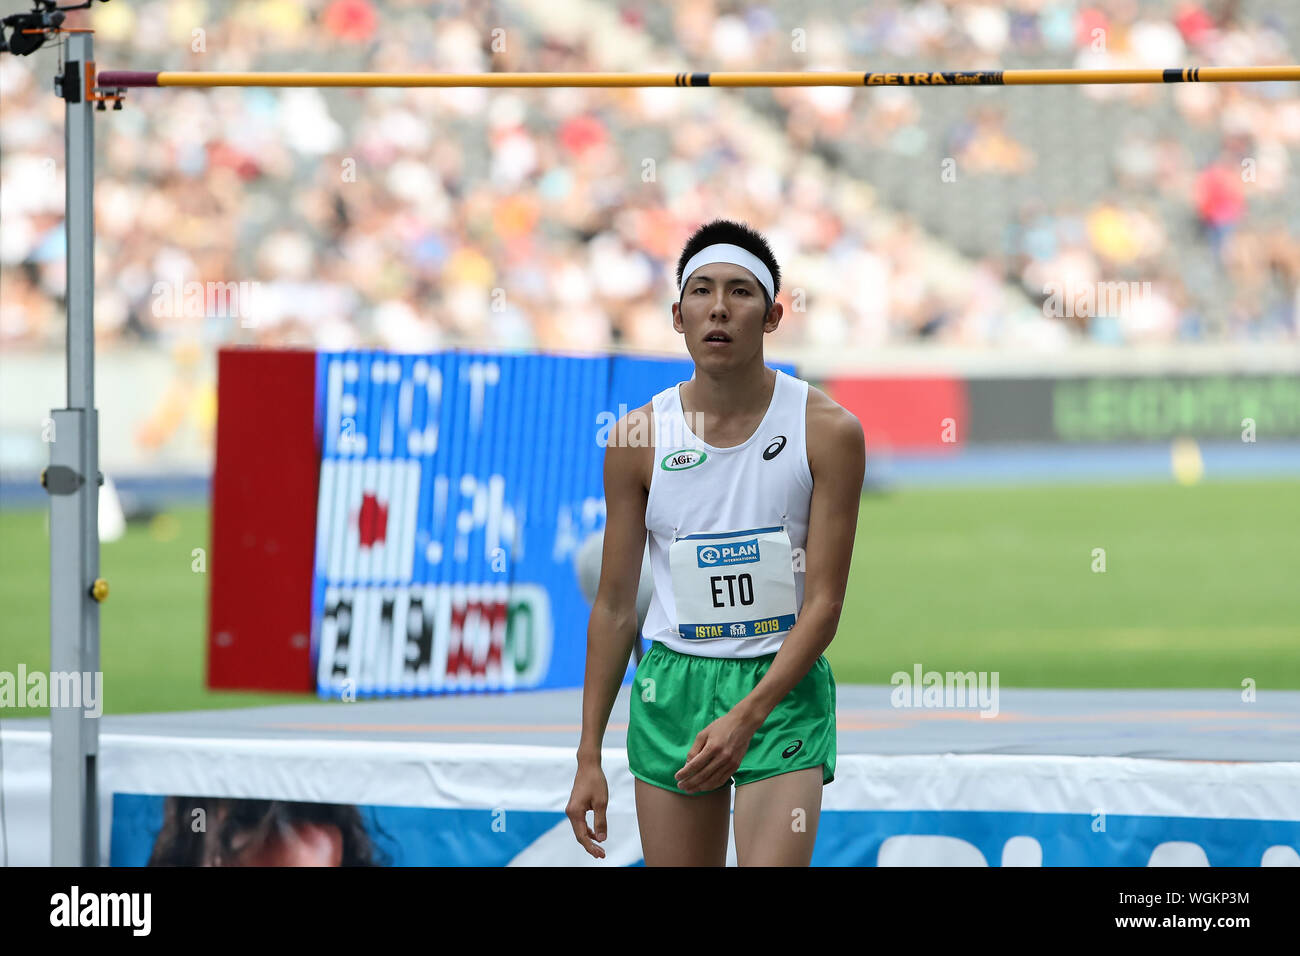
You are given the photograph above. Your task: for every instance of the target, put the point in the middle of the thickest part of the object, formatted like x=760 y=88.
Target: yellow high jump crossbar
x=1064 y=77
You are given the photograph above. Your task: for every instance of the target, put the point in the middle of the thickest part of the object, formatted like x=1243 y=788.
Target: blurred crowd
x=419 y=219
x=1227 y=197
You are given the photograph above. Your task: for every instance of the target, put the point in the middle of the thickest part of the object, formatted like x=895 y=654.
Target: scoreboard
x=388 y=524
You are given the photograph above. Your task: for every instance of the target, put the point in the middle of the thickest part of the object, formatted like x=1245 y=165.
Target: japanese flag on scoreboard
x=371 y=508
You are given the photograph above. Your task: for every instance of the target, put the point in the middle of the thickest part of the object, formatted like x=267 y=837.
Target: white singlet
x=727 y=529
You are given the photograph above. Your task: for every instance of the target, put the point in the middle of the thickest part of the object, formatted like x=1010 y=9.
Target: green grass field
x=1200 y=590
x=1201 y=586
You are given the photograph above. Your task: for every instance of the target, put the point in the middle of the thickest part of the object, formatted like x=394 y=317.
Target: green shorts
x=675 y=696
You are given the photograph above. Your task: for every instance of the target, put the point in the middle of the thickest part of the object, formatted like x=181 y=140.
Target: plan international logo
x=721 y=555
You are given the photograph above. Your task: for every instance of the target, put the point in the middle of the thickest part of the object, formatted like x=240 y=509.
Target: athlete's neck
x=737 y=392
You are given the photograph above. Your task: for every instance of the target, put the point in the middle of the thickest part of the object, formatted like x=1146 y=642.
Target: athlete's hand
x=590 y=792
x=716 y=754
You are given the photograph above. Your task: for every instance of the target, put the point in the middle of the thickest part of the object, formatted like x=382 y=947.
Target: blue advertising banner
x=455 y=490
x=473 y=836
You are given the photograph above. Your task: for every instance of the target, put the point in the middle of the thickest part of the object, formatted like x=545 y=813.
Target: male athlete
x=747 y=481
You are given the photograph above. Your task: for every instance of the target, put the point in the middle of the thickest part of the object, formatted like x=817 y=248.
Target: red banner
x=263 y=521
x=905 y=414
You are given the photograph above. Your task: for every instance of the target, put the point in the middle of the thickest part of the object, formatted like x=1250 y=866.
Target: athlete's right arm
x=612 y=629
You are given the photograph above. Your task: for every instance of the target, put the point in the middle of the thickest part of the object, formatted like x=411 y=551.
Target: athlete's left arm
x=837 y=460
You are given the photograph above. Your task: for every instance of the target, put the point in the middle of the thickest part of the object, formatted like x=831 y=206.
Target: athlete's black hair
x=737 y=234
x=180 y=844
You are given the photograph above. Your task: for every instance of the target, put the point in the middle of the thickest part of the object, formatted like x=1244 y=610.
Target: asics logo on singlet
x=774 y=449
x=793 y=749
x=681 y=460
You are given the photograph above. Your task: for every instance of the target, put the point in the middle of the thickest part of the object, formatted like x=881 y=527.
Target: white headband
x=726 y=252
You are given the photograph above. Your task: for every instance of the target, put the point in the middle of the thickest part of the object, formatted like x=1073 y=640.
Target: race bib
x=737 y=584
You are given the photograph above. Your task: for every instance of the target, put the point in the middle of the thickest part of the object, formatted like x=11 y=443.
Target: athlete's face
x=306 y=844
x=723 y=316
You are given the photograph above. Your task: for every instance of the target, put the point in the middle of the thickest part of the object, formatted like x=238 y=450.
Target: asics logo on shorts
x=792 y=749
